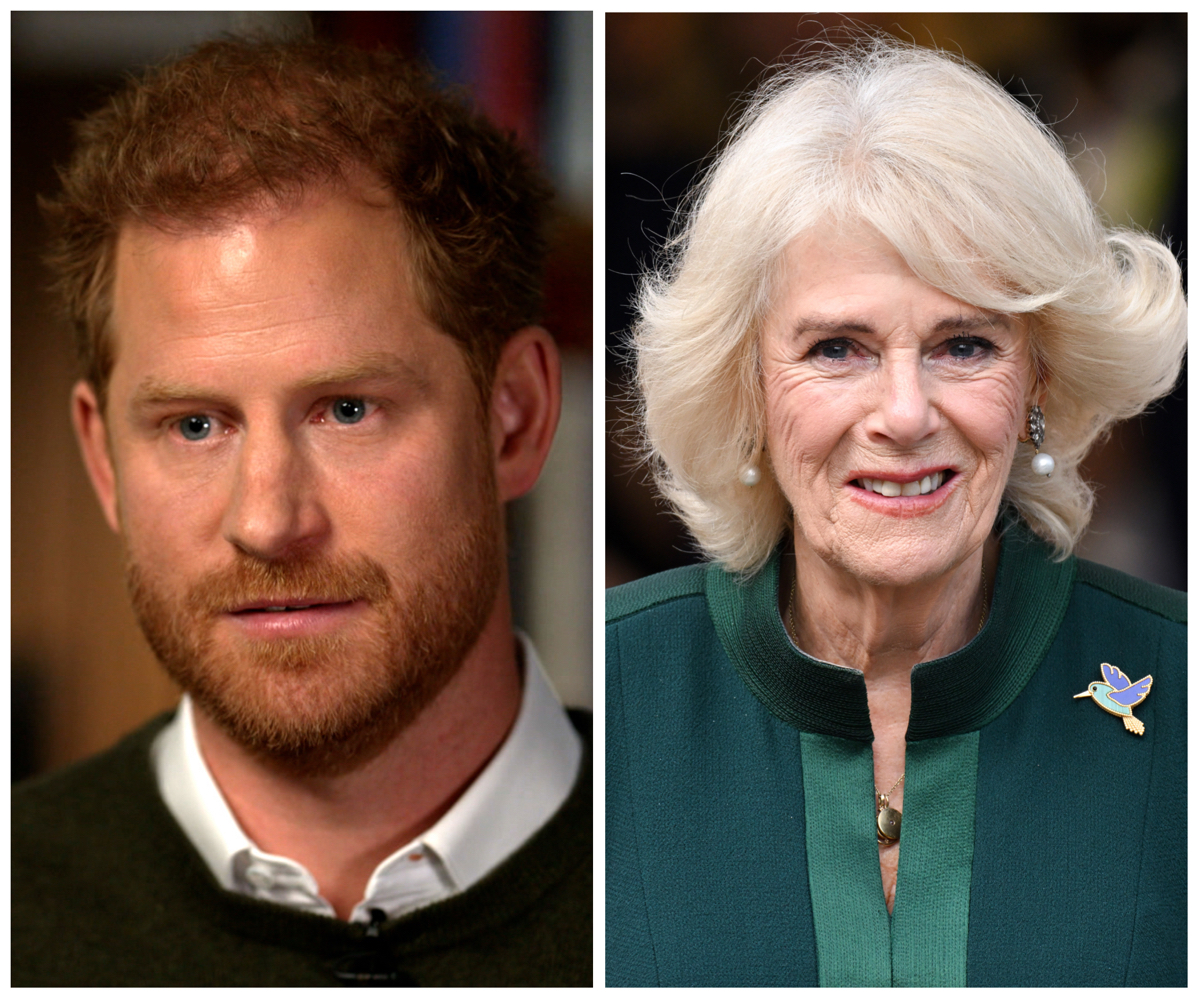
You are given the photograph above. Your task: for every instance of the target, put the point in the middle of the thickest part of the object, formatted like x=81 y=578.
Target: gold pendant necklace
x=887 y=819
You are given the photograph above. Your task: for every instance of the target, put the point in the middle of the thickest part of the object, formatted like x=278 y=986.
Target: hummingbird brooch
x=1117 y=696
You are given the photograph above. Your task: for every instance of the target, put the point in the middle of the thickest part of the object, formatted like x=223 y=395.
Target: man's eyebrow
x=155 y=391
x=374 y=367
x=824 y=324
x=378 y=366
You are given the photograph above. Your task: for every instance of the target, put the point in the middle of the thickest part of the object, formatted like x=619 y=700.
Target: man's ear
x=526 y=399
x=93 y=442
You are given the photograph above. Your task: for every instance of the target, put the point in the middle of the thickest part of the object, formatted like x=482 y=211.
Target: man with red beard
x=305 y=285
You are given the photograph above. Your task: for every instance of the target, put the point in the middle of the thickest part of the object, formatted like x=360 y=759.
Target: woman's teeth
x=918 y=487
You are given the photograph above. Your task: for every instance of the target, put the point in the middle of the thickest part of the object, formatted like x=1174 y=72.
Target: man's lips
x=294 y=618
x=275 y=605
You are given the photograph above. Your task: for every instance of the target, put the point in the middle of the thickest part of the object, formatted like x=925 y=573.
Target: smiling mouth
x=915 y=488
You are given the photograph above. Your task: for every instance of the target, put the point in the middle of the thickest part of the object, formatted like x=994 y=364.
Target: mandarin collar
x=958 y=693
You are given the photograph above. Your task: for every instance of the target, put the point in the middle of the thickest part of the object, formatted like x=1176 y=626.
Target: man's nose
x=273 y=508
x=905 y=412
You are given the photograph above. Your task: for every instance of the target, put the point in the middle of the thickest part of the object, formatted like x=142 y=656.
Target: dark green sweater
x=1043 y=844
x=107 y=891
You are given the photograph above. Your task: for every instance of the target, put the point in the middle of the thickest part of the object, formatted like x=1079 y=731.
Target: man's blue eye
x=349 y=411
x=195 y=428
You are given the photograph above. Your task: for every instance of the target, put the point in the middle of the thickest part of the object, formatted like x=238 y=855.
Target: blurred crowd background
x=1112 y=85
x=82 y=674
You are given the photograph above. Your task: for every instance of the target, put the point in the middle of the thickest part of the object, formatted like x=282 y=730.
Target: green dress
x=1043 y=844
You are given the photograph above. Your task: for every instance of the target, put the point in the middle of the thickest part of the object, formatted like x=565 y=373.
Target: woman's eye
x=967 y=348
x=349 y=411
x=833 y=350
x=195 y=427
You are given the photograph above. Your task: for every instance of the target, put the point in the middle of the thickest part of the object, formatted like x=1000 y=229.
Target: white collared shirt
x=522 y=786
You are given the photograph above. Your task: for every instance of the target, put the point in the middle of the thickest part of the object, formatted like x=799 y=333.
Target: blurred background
x=1112 y=85
x=82 y=674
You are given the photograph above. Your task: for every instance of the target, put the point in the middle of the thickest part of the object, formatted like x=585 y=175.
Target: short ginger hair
x=239 y=123
x=979 y=199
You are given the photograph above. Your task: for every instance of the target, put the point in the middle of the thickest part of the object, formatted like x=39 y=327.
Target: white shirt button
x=260 y=876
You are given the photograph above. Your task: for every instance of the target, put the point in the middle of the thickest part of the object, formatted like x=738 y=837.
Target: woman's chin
x=898 y=541
x=904 y=556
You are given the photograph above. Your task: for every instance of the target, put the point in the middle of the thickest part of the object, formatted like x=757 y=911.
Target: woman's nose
x=905 y=412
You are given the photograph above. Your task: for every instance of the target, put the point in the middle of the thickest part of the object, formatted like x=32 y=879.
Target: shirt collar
x=521 y=787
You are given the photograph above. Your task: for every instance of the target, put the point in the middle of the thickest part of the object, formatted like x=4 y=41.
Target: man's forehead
x=332 y=248
x=324 y=282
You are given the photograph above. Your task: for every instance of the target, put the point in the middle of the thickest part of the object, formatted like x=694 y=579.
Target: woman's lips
x=909 y=487
x=910 y=494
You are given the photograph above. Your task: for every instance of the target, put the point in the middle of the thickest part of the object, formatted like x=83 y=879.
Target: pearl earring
x=1042 y=463
x=749 y=475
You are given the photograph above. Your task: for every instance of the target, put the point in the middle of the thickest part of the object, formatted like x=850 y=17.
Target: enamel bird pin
x=1118 y=697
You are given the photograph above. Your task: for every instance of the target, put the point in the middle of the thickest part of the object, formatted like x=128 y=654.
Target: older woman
x=895 y=733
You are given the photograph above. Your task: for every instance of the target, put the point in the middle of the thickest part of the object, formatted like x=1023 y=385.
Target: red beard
x=323 y=705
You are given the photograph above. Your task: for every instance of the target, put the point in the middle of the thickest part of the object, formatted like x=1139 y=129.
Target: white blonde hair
x=981 y=202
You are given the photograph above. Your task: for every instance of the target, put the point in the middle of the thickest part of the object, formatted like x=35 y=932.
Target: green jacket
x=1043 y=844
x=107 y=891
